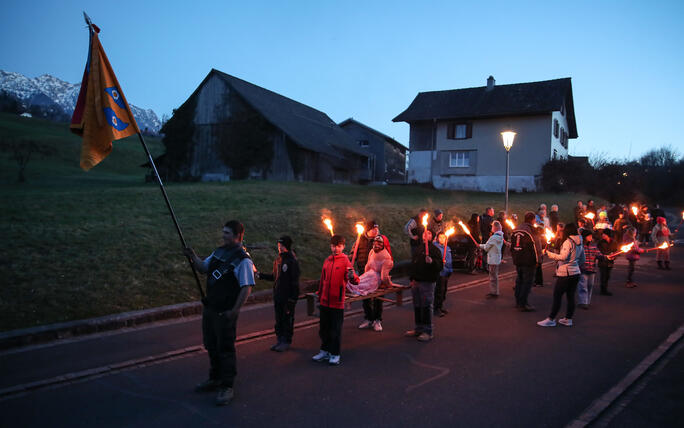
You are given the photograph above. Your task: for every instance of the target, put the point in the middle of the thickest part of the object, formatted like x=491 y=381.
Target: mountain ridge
x=54 y=98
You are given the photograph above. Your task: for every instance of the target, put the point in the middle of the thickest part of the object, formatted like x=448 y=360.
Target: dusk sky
x=369 y=59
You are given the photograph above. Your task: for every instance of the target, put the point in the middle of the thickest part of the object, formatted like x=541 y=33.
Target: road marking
x=443 y=371
x=601 y=404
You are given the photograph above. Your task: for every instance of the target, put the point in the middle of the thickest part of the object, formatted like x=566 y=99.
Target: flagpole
x=173 y=215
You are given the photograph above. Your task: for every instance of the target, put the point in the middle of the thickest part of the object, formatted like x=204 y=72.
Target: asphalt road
x=489 y=365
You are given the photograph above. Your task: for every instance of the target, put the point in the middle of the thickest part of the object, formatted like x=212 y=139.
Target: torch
x=635 y=210
x=663 y=246
x=623 y=249
x=450 y=231
x=590 y=216
x=467 y=231
x=425 y=223
x=328 y=225
x=549 y=235
x=510 y=223
x=359 y=231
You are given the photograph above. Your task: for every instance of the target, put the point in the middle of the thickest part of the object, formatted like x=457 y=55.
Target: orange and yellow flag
x=102 y=114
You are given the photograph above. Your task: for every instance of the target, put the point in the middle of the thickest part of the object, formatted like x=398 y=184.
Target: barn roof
x=520 y=99
x=387 y=138
x=309 y=128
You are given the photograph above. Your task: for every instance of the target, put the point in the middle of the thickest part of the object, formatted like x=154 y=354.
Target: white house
x=455 y=136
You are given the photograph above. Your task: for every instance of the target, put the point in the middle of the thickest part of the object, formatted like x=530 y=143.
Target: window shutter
x=469 y=130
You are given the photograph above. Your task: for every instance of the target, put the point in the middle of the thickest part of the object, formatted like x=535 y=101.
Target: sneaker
x=491 y=296
x=365 y=324
x=444 y=311
x=208 y=385
x=547 y=322
x=334 y=360
x=275 y=346
x=321 y=356
x=411 y=333
x=565 y=321
x=527 y=308
x=225 y=395
x=424 y=337
x=377 y=325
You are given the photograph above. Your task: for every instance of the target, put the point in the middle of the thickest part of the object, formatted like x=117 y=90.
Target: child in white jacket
x=493 y=249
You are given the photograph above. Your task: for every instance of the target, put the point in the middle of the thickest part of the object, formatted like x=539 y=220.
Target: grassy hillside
x=79 y=245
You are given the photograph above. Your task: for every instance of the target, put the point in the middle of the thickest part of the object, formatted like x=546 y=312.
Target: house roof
x=520 y=99
x=309 y=128
x=387 y=138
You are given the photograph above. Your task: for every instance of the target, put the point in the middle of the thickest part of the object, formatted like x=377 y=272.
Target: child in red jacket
x=337 y=270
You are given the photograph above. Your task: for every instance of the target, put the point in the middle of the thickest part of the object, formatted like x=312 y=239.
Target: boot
x=660 y=264
x=277 y=344
x=667 y=265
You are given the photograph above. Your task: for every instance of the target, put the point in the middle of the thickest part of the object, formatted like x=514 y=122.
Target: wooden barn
x=231 y=129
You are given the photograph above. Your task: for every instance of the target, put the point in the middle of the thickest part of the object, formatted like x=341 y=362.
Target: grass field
x=80 y=245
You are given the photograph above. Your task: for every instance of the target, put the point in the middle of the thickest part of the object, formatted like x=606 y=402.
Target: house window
x=459 y=131
x=555 y=154
x=459 y=159
x=562 y=109
x=564 y=138
x=555 y=128
x=363 y=143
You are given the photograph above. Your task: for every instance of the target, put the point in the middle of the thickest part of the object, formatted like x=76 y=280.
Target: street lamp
x=508 y=137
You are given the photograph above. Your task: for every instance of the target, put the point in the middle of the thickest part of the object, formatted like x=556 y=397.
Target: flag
x=102 y=114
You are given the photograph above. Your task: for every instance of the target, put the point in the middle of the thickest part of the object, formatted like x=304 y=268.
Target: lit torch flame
x=682 y=215
x=549 y=235
x=664 y=246
x=359 y=228
x=627 y=247
x=590 y=216
x=425 y=220
x=328 y=224
x=635 y=210
x=464 y=227
x=510 y=223
x=450 y=231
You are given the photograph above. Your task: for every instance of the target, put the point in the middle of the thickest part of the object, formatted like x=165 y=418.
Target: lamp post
x=508 y=137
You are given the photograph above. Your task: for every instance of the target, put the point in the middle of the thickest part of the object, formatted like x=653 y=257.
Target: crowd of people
x=590 y=244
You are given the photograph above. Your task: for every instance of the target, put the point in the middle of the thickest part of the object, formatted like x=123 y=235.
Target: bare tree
x=662 y=157
x=22 y=150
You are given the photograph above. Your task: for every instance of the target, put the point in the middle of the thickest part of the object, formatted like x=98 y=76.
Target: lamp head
x=508 y=137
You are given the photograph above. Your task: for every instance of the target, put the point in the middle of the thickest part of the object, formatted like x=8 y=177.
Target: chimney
x=490 y=83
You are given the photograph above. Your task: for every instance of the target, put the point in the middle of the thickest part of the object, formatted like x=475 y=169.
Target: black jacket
x=525 y=246
x=421 y=271
x=286 y=277
x=486 y=226
x=365 y=245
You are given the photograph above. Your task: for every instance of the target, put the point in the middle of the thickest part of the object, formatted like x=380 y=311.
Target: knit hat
x=661 y=220
x=286 y=242
x=337 y=240
x=438 y=212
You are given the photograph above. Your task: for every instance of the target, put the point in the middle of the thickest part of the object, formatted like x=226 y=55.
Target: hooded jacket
x=493 y=248
x=571 y=257
x=333 y=279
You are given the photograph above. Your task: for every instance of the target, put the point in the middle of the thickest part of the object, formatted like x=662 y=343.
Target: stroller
x=465 y=254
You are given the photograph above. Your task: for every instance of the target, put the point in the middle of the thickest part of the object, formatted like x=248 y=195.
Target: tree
x=21 y=151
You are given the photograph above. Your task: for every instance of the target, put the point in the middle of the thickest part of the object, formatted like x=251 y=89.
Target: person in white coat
x=493 y=249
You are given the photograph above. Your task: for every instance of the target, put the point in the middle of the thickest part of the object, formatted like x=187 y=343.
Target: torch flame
x=359 y=228
x=549 y=235
x=328 y=224
x=682 y=215
x=635 y=210
x=425 y=220
x=626 y=248
x=590 y=216
x=464 y=227
x=450 y=231
x=663 y=246
x=510 y=223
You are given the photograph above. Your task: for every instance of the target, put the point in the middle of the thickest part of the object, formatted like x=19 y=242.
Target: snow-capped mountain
x=58 y=97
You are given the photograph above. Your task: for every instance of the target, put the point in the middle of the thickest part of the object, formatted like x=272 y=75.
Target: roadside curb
x=601 y=404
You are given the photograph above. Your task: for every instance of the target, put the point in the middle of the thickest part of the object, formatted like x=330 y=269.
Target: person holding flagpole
x=230 y=278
